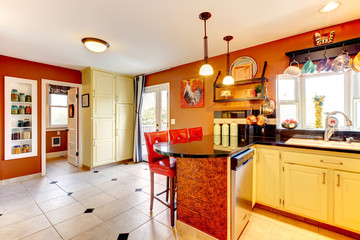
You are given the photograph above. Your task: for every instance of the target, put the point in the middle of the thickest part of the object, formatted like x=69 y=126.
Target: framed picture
x=71 y=111
x=85 y=100
x=192 y=93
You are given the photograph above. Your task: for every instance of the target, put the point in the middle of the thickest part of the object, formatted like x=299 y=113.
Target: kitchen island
x=203 y=182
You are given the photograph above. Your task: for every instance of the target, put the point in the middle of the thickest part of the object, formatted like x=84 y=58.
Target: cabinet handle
x=117 y=99
x=339 y=163
x=117 y=132
x=93 y=93
x=338 y=177
x=93 y=142
x=323 y=178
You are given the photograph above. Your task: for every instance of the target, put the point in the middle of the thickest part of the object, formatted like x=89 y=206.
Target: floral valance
x=55 y=89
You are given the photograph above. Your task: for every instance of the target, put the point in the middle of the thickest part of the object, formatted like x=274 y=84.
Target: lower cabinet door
x=306 y=191
x=268 y=177
x=104 y=141
x=124 y=131
x=347 y=200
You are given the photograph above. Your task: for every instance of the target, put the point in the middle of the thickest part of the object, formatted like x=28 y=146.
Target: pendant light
x=206 y=68
x=228 y=79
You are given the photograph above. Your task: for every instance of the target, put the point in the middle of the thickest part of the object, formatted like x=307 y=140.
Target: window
x=340 y=92
x=58 y=110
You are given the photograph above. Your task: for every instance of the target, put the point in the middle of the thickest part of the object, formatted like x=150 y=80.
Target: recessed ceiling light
x=95 y=44
x=330 y=6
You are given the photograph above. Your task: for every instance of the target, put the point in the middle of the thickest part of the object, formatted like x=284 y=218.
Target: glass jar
x=27 y=122
x=27 y=110
x=20 y=123
x=26 y=134
x=14 y=95
x=28 y=98
x=25 y=148
x=21 y=110
x=14 y=109
x=17 y=149
x=21 y=97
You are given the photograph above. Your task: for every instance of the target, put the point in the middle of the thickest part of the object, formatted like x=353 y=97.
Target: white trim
x=20 y=179
x=56 y=154
x=43 y=120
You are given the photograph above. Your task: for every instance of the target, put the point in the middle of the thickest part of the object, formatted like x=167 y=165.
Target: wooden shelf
x=243 y=82
x=240 y=99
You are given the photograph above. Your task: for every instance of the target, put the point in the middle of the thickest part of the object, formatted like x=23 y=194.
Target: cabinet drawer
x=323 y=161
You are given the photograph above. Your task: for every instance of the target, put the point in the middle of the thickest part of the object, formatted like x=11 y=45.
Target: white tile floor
x=53 y=207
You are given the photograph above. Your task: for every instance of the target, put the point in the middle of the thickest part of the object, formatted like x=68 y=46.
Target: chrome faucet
x=331 y=128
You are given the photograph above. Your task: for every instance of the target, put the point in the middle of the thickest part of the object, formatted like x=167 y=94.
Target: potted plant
x=258 y=90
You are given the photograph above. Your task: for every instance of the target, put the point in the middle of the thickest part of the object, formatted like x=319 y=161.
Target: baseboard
x=56 y=154
x=19 y=179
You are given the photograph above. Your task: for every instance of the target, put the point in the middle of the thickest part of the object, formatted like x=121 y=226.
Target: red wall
x=36 y=71
x=63 y=146
x=272 y=52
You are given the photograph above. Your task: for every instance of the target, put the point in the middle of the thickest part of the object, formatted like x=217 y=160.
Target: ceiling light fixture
x=206 y=68
x=330 y=6
x=95 y=44
x=228 y=79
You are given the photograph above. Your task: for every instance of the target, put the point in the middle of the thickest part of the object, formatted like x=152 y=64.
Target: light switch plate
x=58 y=133
x=172 y=121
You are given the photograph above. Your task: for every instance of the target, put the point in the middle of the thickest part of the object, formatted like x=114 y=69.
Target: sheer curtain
x=139 y=85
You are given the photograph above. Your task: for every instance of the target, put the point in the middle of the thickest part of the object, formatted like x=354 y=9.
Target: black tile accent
x=69 y=193
x=89 y=210
x=145 y=169
x=96 y=171
x=138 y=190
x=114 y=179
x=53 y=182
x=0 y=215
x=126 y=163
x=123 y=236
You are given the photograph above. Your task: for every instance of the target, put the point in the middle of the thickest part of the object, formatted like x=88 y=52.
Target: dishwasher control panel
x=241 y=158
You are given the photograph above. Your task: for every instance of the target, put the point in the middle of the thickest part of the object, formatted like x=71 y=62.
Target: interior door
x=72 y=127
x=155 y=111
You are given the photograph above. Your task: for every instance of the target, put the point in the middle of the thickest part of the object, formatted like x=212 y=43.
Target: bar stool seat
x=166 y=167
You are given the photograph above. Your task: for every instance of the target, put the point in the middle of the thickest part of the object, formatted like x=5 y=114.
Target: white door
x=155 y=111
x=72 y=127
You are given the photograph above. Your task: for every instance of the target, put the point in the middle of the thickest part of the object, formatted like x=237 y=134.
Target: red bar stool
x=162 y=165
x=178 y=134
x=195 y=132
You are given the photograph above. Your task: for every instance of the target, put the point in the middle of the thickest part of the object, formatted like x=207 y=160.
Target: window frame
x=57 y=106
x=350 y=89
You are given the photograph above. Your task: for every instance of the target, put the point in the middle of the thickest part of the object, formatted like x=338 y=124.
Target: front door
x=155 y=112
x=72 y=127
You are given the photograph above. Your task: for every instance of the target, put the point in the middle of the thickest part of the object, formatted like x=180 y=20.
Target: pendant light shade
x=228 y=79
x=206 y=68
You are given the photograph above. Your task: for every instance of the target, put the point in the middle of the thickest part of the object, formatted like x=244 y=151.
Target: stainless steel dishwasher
x=241 y=191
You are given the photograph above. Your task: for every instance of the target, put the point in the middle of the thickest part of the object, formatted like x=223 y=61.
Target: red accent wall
x=272 y=52
x=50 y=135
x=36 y=71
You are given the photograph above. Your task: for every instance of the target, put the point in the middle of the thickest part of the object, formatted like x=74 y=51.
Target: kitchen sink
x=324 y=144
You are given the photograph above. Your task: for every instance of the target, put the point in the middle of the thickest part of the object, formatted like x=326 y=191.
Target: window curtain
x=55 y=89
x=139 y=85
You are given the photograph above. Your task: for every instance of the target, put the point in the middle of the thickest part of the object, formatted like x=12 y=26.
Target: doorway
x=60 y=130
x=155 y=112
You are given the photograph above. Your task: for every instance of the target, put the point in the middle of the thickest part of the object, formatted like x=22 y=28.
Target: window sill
x=55 y=129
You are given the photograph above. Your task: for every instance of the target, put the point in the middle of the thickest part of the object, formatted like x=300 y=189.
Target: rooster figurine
x=192 y=98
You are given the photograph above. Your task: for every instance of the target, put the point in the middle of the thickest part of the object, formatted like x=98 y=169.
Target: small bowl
x=293 y=70
x=307 y=66
x=289 y=125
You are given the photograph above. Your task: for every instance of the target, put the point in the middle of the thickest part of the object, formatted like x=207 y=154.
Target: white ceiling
x=152 y=35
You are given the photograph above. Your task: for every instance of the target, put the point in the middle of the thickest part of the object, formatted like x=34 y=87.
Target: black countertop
x=212 y=146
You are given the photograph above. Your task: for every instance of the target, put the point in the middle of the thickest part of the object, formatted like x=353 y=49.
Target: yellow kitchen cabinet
x=124 y=131
x=103 y=141
x=124 y=89
x=268 y=177
x=306 y=191
x=103 y=89
x=347 y=200
x=108 y=121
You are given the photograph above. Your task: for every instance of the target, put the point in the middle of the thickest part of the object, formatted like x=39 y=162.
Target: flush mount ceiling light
x=330 y=6
x=95 y=44
x=206 y=68
x=228 y=79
